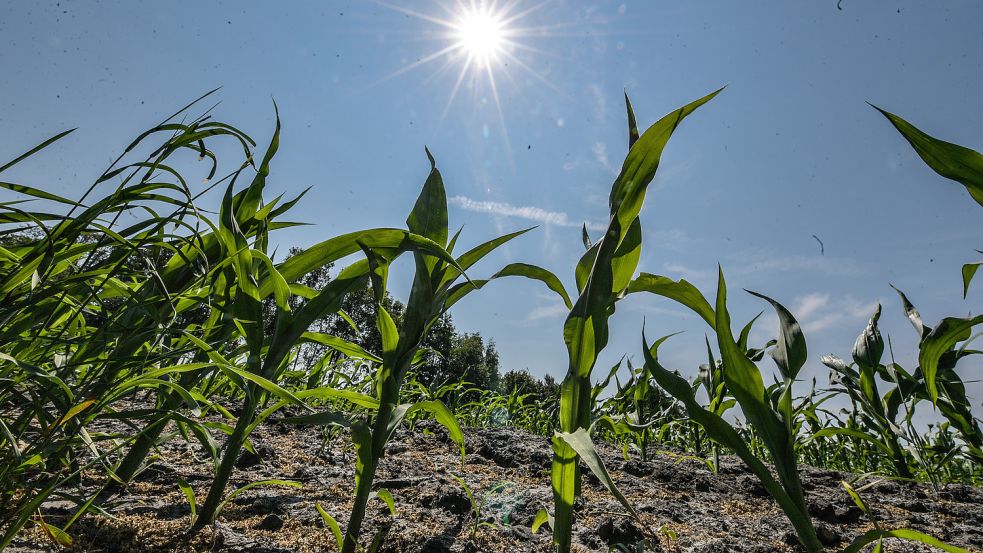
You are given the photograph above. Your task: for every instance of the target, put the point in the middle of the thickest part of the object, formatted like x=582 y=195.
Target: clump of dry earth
x=679 y=499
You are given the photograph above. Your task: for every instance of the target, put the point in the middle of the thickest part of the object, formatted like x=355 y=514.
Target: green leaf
x=386 y=240
x=938 y=342
x=36 y=149
x=632 y=124
x=597 y=390
x=913 y=316
x=445 y=417
x=858 y=500
x=542 y=517
x=625 y=259
x=467 y=490
x=324 y=418
x=853 y=433
x=869 y=346
x=387 y=329
x=951 y=161
x=75 y=410
x=871 y=536
x=472 y=256
x=265 y=384
x=57 y=535
x=459 y=291
x=640 y=166
x=680 y=291
x=349 y=349
x=536 y=273
x=251 y=485
x=331 y=523
x=581 y=442
x=429 y=215
x=364 y=457
x=790 y=353
x=386 y=497
x=189 y=493
x=969 y=271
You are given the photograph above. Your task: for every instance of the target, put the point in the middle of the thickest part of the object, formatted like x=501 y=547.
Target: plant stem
x=209 y=510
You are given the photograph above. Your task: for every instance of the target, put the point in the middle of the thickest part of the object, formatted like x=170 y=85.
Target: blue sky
x=789 y=150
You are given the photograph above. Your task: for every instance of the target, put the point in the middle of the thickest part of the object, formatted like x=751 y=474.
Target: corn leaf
x=951 y=161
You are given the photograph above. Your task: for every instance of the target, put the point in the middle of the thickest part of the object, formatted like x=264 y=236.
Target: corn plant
x=771 y=415
x=256 y=278
x=478 y=505
x=435 y=289
x=878 y=533
x=87 y=304
x=602 y=275
x=877 y=413
x=938 y=349
x=639 y=414
x=772 y=421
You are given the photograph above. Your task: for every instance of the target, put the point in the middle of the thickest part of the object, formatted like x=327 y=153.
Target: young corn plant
x=771 y=420
x=879 y=414
x=86 y=304
x=938 y=350
x=771 y=416
x=877 y=535
x=603 y=276
x=638 y=414
x=435 y=289
x=719 y=401
x=255 y=278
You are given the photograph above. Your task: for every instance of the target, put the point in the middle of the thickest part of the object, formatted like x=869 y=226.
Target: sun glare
x=480 y=40
x=480 y=34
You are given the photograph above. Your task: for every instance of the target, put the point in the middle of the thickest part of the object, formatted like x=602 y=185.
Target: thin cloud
x=807 y=306
x=677 y=240
x=819 y=264
x=530 y=213
x=687 y=273
x=548 y=312
x=600 y=150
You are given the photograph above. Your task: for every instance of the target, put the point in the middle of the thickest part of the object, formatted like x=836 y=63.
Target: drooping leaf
x=913 y=316
x=581 y=442
x=386 y=497
x=871 y=536
x=790 y=353
x=189 y=494
x=680 y=291
x=951 y=161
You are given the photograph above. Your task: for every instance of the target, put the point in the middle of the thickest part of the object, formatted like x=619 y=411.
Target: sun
x=481 y=34
x=481 y=41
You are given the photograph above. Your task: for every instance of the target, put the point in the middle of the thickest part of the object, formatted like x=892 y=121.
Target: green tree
x=470 y=360
x=524 y=383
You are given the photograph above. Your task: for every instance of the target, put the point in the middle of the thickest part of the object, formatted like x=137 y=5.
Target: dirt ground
x=679 y=499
